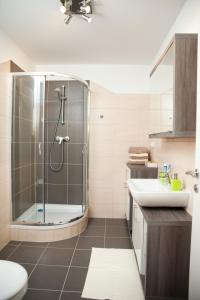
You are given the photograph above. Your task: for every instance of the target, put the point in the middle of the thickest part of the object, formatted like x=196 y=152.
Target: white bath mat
x=113 y=275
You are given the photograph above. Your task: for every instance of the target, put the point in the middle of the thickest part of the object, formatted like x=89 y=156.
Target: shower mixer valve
x=62 y=139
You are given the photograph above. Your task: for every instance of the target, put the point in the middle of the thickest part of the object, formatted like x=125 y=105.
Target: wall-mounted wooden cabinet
x=173 y=90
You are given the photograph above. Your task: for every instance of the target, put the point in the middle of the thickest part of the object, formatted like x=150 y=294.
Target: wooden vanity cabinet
x=165 y=252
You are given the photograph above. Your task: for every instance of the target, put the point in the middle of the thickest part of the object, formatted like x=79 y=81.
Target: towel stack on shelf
x=138 y=155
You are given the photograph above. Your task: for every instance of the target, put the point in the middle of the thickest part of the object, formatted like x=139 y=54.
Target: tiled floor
x=57 y=270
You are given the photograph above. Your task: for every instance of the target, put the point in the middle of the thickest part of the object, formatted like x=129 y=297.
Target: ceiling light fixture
x=82 y=8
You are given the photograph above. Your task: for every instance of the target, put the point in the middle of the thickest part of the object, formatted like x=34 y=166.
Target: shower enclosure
x=49 y=148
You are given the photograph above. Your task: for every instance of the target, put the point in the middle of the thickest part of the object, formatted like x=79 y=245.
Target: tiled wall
x=117 y=121
x=65 y=186
x=5 y=138
x=23 y=170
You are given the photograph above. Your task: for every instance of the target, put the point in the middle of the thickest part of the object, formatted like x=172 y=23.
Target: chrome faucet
x=62 y=139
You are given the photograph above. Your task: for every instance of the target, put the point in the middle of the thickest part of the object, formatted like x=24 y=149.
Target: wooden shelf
x=173 y=135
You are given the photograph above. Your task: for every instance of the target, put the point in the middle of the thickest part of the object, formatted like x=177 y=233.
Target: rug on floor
x=113 y=275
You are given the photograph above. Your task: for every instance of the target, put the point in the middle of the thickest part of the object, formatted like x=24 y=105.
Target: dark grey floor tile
x=89 y=242
x=25 y=254
x=6 y=251
x=119 y=243
x=94 y=231
x=71 y=296
x=41 y=295
x=97 y=221
x=46 y=277
x=116 y=231
x=69 y=243
x=14 y=243
x=54 y=256
x=35 y=244
x=81 y=258
x=116 y=222
x=28 y=267
x=76 y=279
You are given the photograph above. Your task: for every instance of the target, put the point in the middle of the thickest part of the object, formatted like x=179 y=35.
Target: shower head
x=57 y=90
x=61 y=92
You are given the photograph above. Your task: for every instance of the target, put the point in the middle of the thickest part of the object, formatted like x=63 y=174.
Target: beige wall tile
x=5 y=158
x=124 y=123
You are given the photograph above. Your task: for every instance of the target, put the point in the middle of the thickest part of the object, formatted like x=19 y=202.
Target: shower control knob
x=59 y=139
x=62 y=139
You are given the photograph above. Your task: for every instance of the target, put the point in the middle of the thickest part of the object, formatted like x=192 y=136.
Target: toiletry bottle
x=176 y=184
x=166 y=171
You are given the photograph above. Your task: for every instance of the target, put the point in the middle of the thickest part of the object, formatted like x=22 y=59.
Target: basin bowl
x=152 y=193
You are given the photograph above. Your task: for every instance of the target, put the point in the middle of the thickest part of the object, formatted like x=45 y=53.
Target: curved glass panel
x=49 y=149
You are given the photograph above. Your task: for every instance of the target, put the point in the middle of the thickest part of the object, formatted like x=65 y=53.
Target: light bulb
x=68 y=19
x=63 y=9
x=87 y=18
x=86 y=9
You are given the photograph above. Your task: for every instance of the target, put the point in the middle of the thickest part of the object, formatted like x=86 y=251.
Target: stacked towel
x=138 y=155
x=138 y=150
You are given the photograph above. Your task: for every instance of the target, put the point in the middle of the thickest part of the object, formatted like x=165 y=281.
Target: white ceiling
x=122 y=31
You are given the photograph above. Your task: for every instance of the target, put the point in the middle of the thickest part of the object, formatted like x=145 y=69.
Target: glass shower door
x=49 y=149
x=28 y=149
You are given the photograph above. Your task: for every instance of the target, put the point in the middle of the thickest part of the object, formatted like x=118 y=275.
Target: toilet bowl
x=13 y=281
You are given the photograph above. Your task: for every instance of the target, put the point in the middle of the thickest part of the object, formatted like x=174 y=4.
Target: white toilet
x=13 y=281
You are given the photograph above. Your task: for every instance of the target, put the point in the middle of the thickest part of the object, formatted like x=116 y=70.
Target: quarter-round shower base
x=48 y=233
x=55 y=214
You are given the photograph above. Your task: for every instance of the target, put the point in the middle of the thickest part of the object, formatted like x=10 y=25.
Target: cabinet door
x=144 y=249
x=137 y=234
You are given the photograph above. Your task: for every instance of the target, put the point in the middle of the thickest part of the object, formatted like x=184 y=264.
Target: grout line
x=25 y=263
x=52 y=247
x=13 y=251
x=24 y=245
x=23 y=190
x=69 y=267
x=78 y=292
x=23 y=166
x=104 y=235
x=38 y=260
x=48 y=265
x=34 y=289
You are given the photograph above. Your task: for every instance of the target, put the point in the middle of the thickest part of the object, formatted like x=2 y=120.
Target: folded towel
x=135 y=155
x=139 y=158
x=138 y=154
x=138 y=150
x=138 y=161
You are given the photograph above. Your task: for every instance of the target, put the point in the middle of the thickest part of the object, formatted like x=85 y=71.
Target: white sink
x=152 y=193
